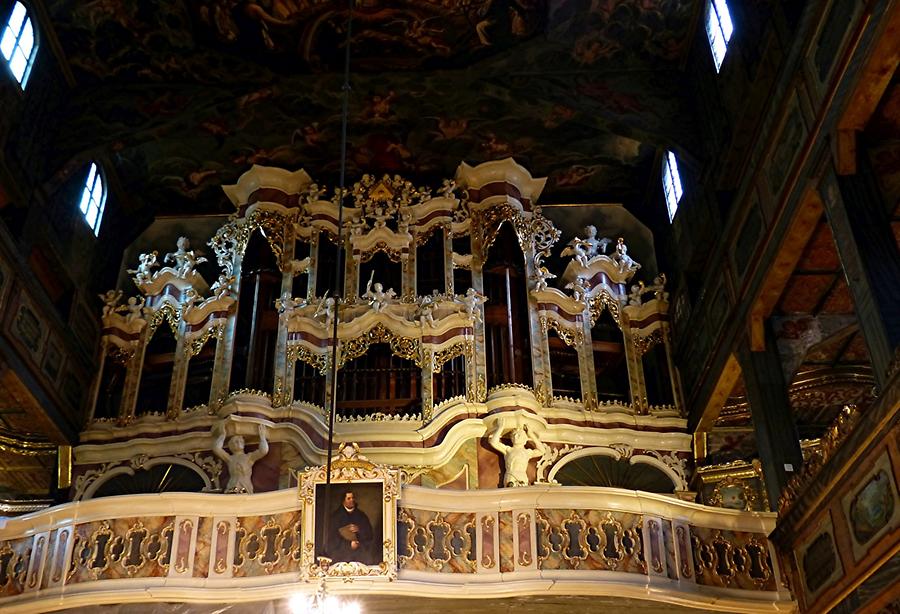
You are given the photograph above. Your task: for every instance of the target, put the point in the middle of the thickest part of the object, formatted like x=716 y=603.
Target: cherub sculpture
x=144 y=271
x=426 y=310
x=222 y=286
x=110 y=300
x=516 y=457
x=239 y=463
x=579 y=288
x=189 y=302
x=586 y=248
x=622 y=259
x=377 y=295
x=541 y=276
x=287 y=304
x=184 y=258
x=313 y=193
x=325 y=308
x=134 y=309
x=471 y=300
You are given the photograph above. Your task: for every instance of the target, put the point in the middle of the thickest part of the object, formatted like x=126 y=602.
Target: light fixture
x=322 y=603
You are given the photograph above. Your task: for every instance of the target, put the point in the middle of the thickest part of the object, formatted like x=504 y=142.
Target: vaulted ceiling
x=184 y=96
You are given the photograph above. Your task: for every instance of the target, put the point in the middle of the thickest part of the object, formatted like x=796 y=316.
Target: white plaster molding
x=289 y=182
x=506 y=170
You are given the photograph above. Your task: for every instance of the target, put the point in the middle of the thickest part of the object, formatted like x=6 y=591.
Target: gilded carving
x=457 y=349
x=404 y=347
x=645 y=344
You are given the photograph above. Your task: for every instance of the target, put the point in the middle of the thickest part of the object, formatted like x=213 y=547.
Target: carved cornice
x=266 y=177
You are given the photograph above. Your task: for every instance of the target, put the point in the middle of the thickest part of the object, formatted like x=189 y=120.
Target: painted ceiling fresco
x=186 y=96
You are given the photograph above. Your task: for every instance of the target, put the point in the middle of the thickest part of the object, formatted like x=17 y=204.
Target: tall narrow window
x=93 y=199
x=671 y=183
x=18 y=45
x=719 y=29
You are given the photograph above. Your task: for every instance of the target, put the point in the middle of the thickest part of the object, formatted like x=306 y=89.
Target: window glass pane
x=18 y=64
x=85 y=199
x=15 y=19
x=91 y=173
x=7 y=43
x=92 y=198
x=724 y=19
x=26 y=41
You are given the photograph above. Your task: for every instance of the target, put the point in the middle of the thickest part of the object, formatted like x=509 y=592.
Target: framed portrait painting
x=352 y=524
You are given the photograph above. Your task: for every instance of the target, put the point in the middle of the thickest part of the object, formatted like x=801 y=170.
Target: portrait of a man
x=354 y=523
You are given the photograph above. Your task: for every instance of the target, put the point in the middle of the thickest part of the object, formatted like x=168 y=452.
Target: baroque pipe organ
x=464 y=365
x=445 y=295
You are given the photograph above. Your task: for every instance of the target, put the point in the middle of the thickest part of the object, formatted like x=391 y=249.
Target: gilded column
x=478 y=369
x=179 y=372
x=448 y=260
x=541 y=375
x=427 y=383
x=586 y=368
x=313 y=264
x=636 y=384
x=225 y=345
x=133 y=376
x=280 y=394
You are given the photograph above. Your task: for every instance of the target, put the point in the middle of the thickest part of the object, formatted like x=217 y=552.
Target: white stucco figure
x=426 y=310
x=377 y=295
x=325 y=308
x=471 y=301
x=587 y=248
x=541 y=276
x=239 y=463
x=134 y=309
x=579 y=288
x=516 y=456
x=144 y=271
x=622 y=259
x=110 y=300
x=184 y=258
x=222 y=286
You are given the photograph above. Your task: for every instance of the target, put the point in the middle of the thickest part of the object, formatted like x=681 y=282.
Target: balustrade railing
x=569 y=541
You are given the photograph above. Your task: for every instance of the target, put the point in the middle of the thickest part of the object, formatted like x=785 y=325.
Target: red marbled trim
x=498 y=188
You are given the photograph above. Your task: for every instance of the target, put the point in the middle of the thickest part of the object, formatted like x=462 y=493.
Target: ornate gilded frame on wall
x=350 y=467
x=737 y=476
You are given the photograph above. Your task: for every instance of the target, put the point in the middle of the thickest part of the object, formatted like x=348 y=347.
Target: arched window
x=671 y=183
x=18 y=44
x=93 y=199
x=718 y=29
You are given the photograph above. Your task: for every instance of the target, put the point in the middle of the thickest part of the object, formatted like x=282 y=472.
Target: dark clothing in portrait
x=340 y=537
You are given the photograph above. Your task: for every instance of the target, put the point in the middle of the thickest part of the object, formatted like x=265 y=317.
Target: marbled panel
x=204 y=546
x=57 y=563
x=15 y=556
x=732 y=559
x=669 y=543
x=267 y=544
x=507 y=550
x=122 y=548
x=590 y=539
x=438 y=541
x=523 y=527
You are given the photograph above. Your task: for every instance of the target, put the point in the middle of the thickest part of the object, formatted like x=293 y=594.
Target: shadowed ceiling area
x=183 y=97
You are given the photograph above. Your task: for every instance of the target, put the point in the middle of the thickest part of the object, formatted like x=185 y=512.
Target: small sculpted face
x=349 y=500
x=236 y=444
x=519 y=436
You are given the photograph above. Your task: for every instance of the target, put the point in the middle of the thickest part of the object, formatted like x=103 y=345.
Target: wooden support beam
x=806 y=217
x=727 y=379
x=871 y=83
